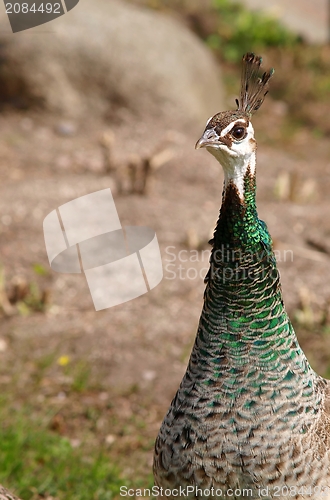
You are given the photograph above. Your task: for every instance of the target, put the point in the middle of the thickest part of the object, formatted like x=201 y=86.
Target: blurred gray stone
x=106 y=57
x=66 y=128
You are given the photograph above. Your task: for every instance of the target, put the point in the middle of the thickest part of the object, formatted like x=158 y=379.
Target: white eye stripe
x=231 y=126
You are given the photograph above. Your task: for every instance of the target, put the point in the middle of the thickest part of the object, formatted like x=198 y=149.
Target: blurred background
x=115 y=94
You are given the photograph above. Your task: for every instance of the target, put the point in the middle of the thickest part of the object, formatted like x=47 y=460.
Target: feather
x=253 y=87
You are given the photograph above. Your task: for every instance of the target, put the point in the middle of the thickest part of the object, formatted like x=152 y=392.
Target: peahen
x=250 y=418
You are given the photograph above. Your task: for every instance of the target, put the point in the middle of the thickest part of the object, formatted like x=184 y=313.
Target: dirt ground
x=130 y=359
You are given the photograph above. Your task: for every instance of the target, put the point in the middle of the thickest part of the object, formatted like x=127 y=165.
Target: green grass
x=81 y=373
x=239 y=30
x=35 y=461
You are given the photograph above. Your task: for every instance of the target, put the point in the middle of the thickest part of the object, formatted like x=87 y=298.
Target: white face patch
x=238 y=158
x=208 y=121
x=231 y=125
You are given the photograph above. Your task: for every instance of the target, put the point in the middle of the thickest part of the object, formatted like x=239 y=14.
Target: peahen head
x=229 y=135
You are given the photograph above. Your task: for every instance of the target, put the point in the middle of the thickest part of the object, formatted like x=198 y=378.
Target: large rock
x=104 y=57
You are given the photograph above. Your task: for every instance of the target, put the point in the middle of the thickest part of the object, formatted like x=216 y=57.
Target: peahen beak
x=209 y=138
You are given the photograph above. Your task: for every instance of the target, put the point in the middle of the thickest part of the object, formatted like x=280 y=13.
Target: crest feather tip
x=253 y=87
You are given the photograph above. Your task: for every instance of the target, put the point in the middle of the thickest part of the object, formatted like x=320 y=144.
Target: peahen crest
x=253 y=87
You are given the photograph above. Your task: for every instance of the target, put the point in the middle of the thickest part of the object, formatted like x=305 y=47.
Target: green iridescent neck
x=238 y=224
x=244 y=331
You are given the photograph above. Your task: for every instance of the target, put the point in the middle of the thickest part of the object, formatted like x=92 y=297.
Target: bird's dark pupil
x=238 y=132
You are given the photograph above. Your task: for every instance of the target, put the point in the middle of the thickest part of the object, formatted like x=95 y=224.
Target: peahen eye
x=238 y=133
